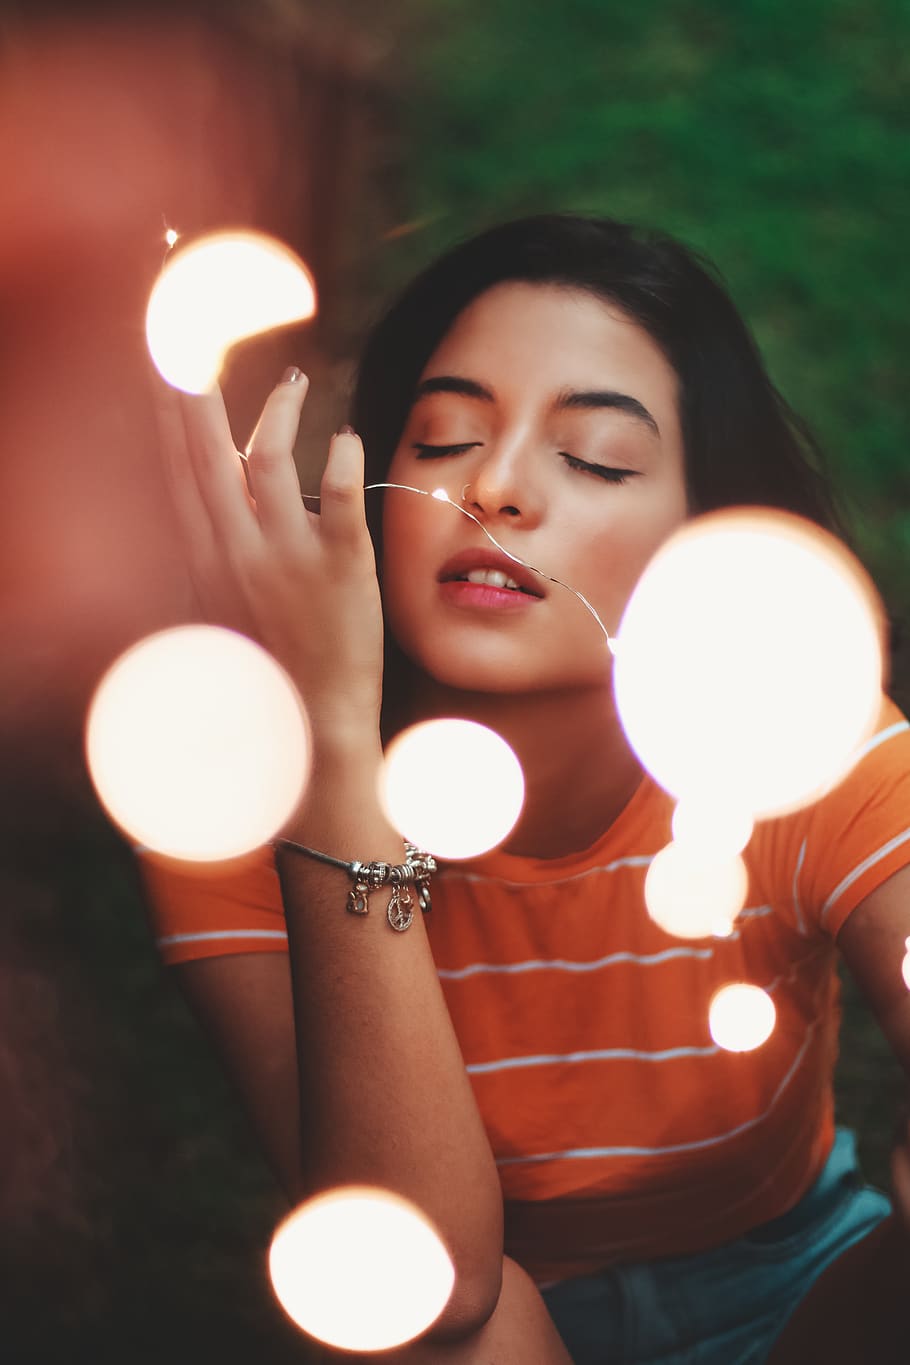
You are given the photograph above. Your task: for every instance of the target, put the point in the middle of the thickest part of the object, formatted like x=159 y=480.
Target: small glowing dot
x=741 y=1017
x=197 y=743
x=363 y=1247
x=750 y=661
x=171 y=237
x=905 y=965
x=694 y=897
x=452 y=787
x=711 y=830
x=441 y=495
x=212 y=294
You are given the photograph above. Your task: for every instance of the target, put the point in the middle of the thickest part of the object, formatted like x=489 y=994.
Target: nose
x=482 y=508
x=501 y=488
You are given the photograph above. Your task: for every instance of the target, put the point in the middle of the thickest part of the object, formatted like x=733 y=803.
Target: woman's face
x=561 y=417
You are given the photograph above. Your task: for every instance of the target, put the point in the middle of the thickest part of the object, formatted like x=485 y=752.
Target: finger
x=193 y=522
x=273 y=474
x=219 y=471
x=342 y=512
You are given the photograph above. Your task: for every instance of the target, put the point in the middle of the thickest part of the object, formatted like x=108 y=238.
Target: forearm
x=384 y=1095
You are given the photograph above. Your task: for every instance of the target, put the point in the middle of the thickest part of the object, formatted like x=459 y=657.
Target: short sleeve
x=858 y=834
x=211 y=912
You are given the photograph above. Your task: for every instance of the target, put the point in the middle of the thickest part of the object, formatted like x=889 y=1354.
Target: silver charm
x=400 y=912
x=423 y=896
x=358 y=898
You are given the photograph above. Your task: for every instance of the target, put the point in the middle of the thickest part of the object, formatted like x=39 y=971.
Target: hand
x=302 y=584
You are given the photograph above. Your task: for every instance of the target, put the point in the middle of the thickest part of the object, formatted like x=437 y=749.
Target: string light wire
x=440 y=495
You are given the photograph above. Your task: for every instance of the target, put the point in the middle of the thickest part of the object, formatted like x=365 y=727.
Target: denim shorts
x=725 y=1306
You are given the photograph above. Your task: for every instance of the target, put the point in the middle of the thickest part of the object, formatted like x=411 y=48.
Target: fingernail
x=291 y=375
x=346 y=430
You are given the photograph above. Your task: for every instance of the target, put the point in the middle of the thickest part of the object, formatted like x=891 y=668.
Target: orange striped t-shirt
x=584 y=1026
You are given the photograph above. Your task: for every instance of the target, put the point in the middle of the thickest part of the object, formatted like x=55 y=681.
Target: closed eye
x=602 y=471
x=425 y=452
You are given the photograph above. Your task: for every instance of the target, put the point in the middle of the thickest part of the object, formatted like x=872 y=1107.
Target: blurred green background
x=769 y=135
x=773 y=137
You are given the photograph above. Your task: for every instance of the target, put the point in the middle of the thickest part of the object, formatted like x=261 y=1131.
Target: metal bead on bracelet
x=415 y=871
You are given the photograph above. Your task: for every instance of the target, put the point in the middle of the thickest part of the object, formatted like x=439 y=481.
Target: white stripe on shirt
x=593 y=1152
x=558 y=964
x=876 y=740
x=858 y=871
x=636 y=860
x=220 y=934
x=797 y=906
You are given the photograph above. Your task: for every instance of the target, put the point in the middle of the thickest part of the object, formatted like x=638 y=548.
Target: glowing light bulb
x=197 y=743
x=367 y=1247
x=215 y=292
x=741 y=1017
x=171 y=237
x=750 y=661
x=692 y=896
x=711 y=830
x=453 y=787
x=905 y=965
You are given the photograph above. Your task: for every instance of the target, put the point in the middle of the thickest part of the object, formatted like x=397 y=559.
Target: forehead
x=551 y=336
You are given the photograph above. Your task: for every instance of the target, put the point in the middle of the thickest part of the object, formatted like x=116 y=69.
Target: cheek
x=617 y=556
x=395 y=605
x=402 y=510
x=409 y=534
x=397 y=511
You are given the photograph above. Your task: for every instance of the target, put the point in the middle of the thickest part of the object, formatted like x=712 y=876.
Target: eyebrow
x=592 y=400
x=607 y=398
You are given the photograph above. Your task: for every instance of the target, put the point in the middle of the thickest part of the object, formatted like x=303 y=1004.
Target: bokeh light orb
x=694 y=896
x=197 y=743
x=709 y=830
x=360 y=1269
x=741 y=1017
x=215 y=292
x=452 y=787
x=749 y=661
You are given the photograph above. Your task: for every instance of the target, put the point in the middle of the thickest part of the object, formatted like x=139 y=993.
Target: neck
x=579 y=769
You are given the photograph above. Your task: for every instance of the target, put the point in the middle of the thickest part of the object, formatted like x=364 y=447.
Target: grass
x=771 y=136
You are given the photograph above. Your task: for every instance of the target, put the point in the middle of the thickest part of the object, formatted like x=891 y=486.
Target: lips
x=462 y=563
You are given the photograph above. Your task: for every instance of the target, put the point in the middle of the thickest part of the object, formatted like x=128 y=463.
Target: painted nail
x=291 y=375
x=346 y=430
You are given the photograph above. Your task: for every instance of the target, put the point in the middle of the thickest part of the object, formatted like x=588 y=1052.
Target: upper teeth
x=494 y=577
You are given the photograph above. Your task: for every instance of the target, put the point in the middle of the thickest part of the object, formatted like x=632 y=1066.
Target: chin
x=498 y=677
x=467 y=675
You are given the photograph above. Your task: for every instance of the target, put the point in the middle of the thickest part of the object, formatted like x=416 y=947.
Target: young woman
x=530 y=1062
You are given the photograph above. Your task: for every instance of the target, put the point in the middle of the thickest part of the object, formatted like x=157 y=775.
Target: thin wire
x=406 y=488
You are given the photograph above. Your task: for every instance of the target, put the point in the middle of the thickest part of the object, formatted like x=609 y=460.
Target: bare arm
x=385 y=1095
x=387 y=1098
x=381 y=1083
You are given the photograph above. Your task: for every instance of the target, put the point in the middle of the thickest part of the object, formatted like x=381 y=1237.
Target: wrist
x=342 y=790
x=345 y=746
x=340 y=723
